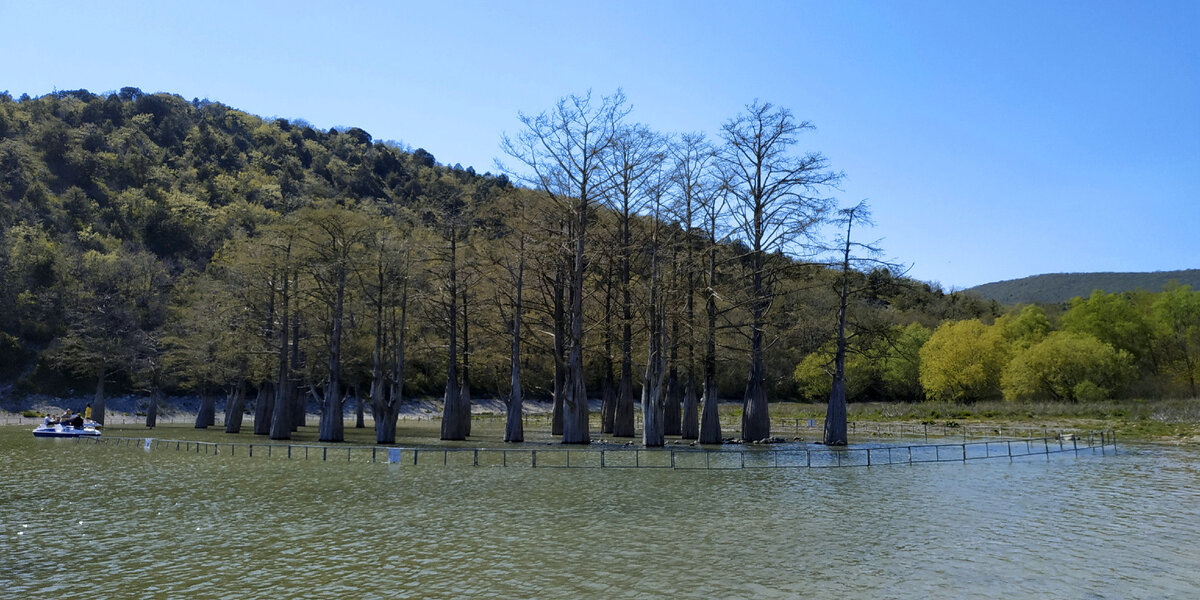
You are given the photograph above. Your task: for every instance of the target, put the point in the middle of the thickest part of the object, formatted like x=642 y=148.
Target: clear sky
x=994 y=140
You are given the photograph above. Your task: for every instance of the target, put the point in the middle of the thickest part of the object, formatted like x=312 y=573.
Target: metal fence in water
x=745 y=457
x=803 y=428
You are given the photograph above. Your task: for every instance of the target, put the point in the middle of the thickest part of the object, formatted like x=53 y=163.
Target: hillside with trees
x=161 y=246
x=1062 y=287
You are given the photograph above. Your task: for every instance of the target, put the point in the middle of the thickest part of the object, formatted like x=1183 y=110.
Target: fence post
x=534 y=455
x=476 y=457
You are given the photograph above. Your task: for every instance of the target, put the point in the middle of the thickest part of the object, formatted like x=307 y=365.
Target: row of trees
x=165 y=245
x=1105 y=346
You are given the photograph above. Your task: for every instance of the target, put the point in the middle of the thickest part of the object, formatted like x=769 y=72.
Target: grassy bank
x=1174 y=421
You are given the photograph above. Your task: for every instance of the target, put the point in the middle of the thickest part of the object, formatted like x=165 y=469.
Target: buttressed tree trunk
x=235 y=408
x=464 y=395
x=152 y=410
x=710 y=422
x=263 y=407
x=514 y=428
x=452 y=413
x=691 y=412
x=560 y=366
x=332 y=420
x=281 y=419
x=208 y=408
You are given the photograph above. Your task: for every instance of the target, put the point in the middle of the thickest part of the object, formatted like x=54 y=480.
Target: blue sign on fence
x=812 y=422
x=393 y=455
x=148 y=443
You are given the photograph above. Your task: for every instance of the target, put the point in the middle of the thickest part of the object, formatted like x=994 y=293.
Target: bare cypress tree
x=386 y=291
x=835 y=413
x=514 y=427
x=563 y=151
x=653 y=388
x=692 y=158
x=447 y=207
x=334 y=240
x=777 y=205
x=608 y=384
x=281 y=419
x=635 y=154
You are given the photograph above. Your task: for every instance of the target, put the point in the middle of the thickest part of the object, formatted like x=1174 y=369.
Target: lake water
x=80 y=520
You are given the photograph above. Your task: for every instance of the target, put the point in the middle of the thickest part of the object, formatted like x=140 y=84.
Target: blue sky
x=994 y=140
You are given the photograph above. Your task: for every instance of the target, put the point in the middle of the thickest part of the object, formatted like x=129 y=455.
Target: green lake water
x=80 y=520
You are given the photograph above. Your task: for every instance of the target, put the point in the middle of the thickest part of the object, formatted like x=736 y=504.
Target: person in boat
x=77 y=421
x=66 y=417
x=87 y=411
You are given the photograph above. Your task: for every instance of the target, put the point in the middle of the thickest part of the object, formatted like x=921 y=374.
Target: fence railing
x=745 y=457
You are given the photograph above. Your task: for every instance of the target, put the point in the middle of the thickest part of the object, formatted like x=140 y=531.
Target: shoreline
x=1165 y=422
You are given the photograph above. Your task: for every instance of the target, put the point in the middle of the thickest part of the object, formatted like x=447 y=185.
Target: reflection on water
x=83 y=521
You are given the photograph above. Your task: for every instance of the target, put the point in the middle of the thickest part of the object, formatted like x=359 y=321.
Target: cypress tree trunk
x=710 y=422
x=560 y=367
x=464 y=395
x=623 y=417
x=652 y=386
x=835 y=413
x=332 y=420
x=208 y=408
x=672 y=398
x=359 y=417
x=235 y=407
x=756 y=423
x=608 y=397
x=452 y=417
x=151 y=411
x=514 y=428
x=299 y=408
x=281 y=419
x=263 y=406
x=385 y=427
x=691 y=413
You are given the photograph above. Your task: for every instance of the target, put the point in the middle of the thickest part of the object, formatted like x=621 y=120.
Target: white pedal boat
x=60 y=430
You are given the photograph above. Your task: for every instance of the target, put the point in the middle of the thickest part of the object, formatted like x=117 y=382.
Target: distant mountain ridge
x=1061 y=287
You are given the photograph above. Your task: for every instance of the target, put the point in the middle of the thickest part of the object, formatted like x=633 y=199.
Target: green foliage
x=1175 y=314
x=147 y=236
x=1026 y=327
x=1066 y=366
x=1114 y=319
x=901 y=368
x=962 y=361
x=814 y=375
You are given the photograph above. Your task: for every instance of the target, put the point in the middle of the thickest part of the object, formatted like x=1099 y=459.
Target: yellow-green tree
x=1066 y=366
x=962 y=361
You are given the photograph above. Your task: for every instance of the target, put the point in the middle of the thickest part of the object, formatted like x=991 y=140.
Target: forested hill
x=151 y=242
x=100 y=189
x=1060 y=287
x=179 y=177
